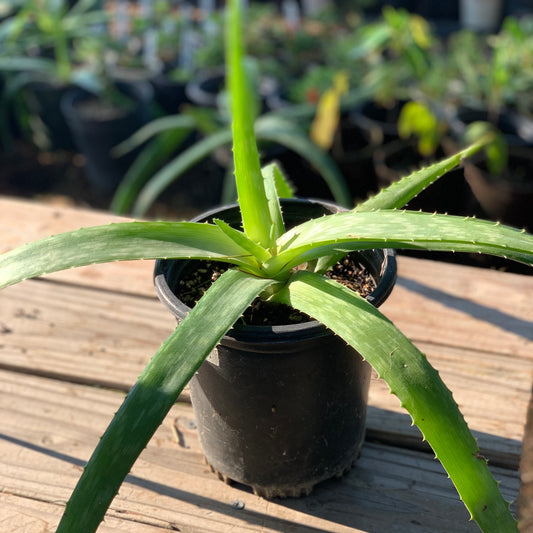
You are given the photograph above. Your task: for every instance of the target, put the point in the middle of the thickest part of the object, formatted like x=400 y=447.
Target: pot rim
x=280 y=333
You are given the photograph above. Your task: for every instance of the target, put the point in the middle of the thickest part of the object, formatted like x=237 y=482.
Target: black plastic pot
x=517 y=129
x=95 y=137
x=206 y=88
x=168 y=94
x=507 y=197
x=378 y=123
x=44 y=101
x=280 y=408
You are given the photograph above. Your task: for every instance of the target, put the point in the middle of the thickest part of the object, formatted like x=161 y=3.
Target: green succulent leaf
x=243 y=241
x=281 y=131
x=176 y=168
x=153 y=128
x=153 y=395
x=274 y=182
x=281 y=181
x=144 y=167
x=400 y=192
x=415 y=382
x=121 y=242
x=343 y=232
x=250 y=187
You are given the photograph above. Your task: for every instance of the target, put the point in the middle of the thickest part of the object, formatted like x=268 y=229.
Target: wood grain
x=105 y=339
x=49 y=429
x=73 y=343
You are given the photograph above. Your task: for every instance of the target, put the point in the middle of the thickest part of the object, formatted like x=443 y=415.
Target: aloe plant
x=265 y=257
x=139 y=188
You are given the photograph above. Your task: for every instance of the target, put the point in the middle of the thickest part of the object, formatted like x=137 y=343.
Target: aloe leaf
x=281 y=181
x=404 y=190
x=343 y=232
x=121 y=242
x=400 y=192
x=250 y=187
x=243 y=241
x=176 y=168
x=143 y=167
x=155 y=127
x=273 y=179
x=415 y=382
x=276 y=129
x=153 y=395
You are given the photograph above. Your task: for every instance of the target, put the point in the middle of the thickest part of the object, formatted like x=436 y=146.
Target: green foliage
x=139 y=189
x=50 y=28
x=496 y=151
x=266 y=258
x=494 y=71
x=416 y=119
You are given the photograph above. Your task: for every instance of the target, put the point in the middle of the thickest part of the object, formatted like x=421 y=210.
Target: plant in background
x=37 y=44
x=397 y=50
x=287 y=267
x=512 y=71
x=494 y=71
x=46 y=27
x=418 y=120
x=153 y=171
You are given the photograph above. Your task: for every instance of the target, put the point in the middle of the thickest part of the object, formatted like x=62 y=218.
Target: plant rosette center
x=198 y=276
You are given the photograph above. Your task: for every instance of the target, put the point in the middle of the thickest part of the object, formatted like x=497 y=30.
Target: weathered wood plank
x=49 y=428
x=80 y=334
x=19 y=514
x=105 y=338
x=525 y=502
x=461 y=306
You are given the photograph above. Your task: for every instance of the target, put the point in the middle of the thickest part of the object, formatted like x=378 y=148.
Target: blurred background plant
x=412 y=83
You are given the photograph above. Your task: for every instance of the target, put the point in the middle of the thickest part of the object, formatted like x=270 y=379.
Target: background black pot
x=44 y=103
x=280 y=408
x=169 y=94
x=95 y=134
x=379 y=123
x=507 y=197
x=517 y=129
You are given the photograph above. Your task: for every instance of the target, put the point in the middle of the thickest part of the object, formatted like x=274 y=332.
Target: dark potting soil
x=198 y=276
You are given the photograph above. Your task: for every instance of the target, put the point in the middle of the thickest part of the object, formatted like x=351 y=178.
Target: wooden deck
x=73 y=343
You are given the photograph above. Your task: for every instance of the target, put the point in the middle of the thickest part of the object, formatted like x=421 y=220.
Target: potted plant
x=105 y=115
x=281 y=267
x=492 y=79
x=98 y=123
x=144 y=182
x=398 y=50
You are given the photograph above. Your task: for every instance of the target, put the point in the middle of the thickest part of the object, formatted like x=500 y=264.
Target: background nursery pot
x=97 y=128
x=508 y=196
x=280 y=408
